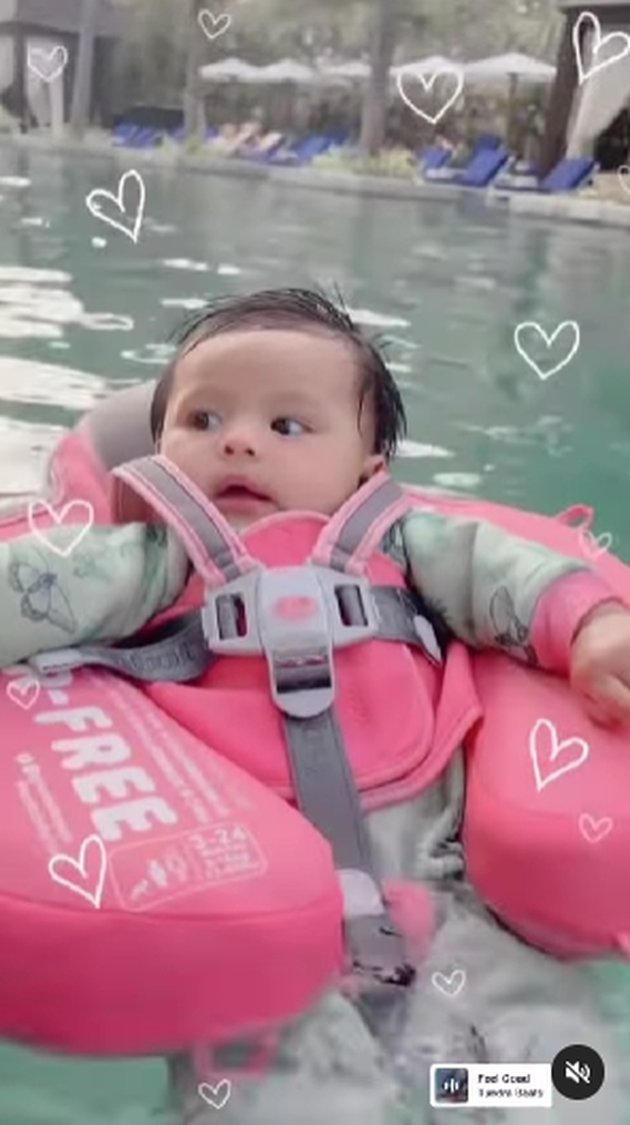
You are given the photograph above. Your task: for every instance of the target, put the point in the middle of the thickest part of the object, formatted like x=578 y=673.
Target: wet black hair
x=293 y=308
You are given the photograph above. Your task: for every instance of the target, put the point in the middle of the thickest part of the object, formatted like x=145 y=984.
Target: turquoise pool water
x=447 y=286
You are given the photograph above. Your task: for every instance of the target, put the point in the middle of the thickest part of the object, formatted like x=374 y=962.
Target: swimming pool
x=447 y=285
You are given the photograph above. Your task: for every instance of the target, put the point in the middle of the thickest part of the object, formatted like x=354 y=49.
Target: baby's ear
x=126 y=506
x=372 y=465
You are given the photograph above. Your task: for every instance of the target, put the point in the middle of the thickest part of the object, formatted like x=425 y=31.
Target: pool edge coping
x=568 y=208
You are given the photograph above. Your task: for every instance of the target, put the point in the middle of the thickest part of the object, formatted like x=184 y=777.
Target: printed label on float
x=153 y=872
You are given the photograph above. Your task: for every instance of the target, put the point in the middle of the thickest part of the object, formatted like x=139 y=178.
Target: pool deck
x=585 y=207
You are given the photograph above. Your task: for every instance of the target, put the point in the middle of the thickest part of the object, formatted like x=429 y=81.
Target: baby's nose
x=240 y=440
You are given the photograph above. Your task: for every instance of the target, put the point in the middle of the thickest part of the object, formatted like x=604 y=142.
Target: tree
x=82 y=92
x=390 y=19
x=158 y=58
x=374 y=115
x=194 y=105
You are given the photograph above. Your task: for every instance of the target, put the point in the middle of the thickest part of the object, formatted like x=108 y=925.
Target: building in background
x=589 y=117
x=34 y=37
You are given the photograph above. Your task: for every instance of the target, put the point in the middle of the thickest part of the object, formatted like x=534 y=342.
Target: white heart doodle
x=593 y=546
x=25 y=692
x=544 y=749
x=451 y=985
x=47 y=65
x=455 y=71
x=82 y=511
x=211 y=25
x=549 y=340
x=92 y=844
x=598 y=43
x=216 y=1096
x=595 y=830
x=119 y=202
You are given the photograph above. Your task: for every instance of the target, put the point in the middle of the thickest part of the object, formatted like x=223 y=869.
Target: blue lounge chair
x=339 y=137
x=478 y=173
x=122 y=132
x=179 y=134
x=261 y=155
x=148 y=138
x=487 y=140
x=139 y=136
x=445 y=170
x=568 y=175
x=301 y=152
x=433 y=157
x=483 y=167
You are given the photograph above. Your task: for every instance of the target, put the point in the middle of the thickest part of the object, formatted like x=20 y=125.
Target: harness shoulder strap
x=354 y=532
x=216 y=551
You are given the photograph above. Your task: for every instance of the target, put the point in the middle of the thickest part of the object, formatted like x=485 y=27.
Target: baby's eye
x=289 y=426
x=204 y=420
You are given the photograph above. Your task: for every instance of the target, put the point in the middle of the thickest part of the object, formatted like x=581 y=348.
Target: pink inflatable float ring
x=136 y=925
x=547 y=819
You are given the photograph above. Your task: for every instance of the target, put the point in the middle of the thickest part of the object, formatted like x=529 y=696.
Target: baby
x=274 y=403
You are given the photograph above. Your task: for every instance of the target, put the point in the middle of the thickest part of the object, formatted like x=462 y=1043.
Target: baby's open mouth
x=240 y=492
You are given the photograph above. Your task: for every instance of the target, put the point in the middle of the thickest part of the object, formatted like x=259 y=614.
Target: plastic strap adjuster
x=59 y=660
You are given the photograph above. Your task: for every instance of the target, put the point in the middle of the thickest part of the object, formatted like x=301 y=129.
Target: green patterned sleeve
x=107 y=587
x=484 y=582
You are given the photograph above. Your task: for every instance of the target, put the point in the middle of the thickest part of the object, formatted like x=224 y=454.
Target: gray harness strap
x=178 y=651
x=252 y=609
x=327 y=795
x=324 y=783
x=215 y=550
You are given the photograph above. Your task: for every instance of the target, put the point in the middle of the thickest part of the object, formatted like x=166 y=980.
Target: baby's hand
x=600 y=664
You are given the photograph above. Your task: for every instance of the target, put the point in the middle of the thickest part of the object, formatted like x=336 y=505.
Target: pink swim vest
x=191 y=902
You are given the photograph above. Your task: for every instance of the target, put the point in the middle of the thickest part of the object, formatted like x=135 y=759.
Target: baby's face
x=268 y=420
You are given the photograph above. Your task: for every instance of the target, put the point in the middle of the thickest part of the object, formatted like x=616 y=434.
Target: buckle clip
x=398 y=975
x=296 y=616
x=378 y=946
x=378 y=954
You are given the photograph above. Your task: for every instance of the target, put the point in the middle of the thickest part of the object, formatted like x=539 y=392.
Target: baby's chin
x=241 y=523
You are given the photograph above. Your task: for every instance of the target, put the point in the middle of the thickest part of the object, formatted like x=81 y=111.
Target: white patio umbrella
x=352 y=70
x=229 y=69
x=287 y=70
x=511 y=68
x=426 y=67
x=498 y=68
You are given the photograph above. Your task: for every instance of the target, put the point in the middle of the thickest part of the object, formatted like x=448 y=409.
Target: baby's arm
x=495 y=590
x=110 y=584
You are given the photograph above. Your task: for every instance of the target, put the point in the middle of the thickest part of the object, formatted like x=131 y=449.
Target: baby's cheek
x=182 y=448
x=192 y=454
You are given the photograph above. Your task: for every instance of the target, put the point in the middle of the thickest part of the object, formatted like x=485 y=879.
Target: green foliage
x=152 y=60
x=265 y=30
x=398 y=162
